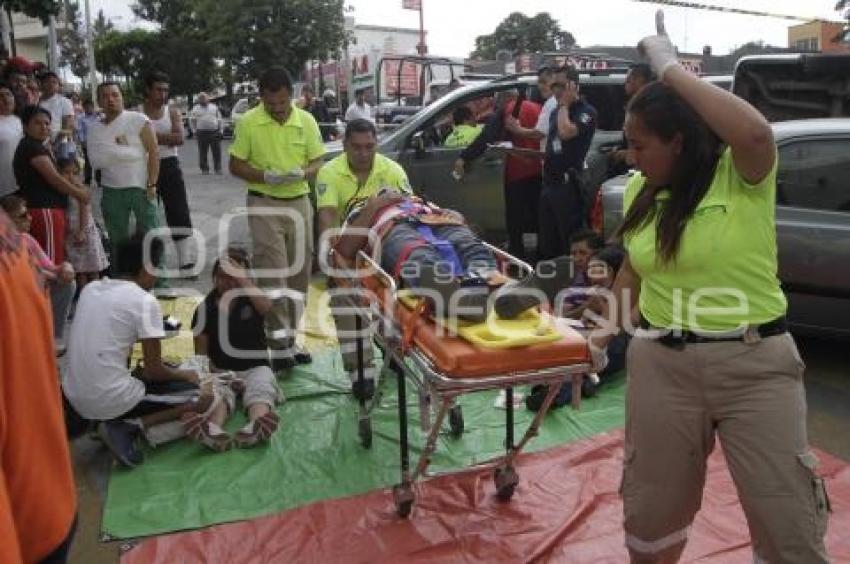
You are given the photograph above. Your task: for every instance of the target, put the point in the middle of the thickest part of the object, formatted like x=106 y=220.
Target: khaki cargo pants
x=751 y=396
x=282 y=239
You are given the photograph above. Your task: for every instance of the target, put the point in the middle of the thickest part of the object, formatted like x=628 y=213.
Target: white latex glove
x=598 y=357
x=274 y=177
x=657 y=49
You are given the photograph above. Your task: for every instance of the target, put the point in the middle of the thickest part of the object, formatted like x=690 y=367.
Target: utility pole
x=52 y=45
x=90 y=52
x=422 y=47
x=346 y=69
x=4 y=25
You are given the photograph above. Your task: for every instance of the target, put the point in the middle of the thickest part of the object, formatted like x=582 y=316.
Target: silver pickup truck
x=812 y=221
x=807 y=97
x=418 y=146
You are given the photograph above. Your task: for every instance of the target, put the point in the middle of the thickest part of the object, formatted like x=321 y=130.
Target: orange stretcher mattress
x=455 y=357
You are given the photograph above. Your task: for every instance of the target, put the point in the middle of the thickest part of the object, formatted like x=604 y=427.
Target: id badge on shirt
x=556 y=145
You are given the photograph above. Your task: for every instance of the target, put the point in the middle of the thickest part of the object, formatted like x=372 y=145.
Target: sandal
x=259 y=430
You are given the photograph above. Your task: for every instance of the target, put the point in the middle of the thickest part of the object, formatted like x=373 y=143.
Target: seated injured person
x=229 y=333
x=432 y=251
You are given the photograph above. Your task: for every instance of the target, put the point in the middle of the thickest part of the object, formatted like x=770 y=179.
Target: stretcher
x=443 y=367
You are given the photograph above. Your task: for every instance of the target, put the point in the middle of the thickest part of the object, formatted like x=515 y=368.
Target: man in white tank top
x=171 y=189
x=123 y=147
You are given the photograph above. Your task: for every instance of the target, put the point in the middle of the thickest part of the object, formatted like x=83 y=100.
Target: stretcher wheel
x=506 y=480
x=403 y=497
x=364 y=429
x=456 y=420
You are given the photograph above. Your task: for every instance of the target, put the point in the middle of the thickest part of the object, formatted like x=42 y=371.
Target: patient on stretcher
x=433 y=251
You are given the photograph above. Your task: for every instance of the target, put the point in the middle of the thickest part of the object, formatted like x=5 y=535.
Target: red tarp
x=565 y=509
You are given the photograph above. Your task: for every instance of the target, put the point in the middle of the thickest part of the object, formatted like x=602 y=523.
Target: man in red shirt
x=522 y=177
x=523 y=166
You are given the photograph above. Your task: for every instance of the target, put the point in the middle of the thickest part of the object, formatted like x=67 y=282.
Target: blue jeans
x=472 y=254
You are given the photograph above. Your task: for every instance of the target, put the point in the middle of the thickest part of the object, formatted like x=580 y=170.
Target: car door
x=478 y=195
x=813 y=230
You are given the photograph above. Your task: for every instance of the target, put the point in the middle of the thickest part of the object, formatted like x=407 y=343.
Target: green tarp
x=317 y=454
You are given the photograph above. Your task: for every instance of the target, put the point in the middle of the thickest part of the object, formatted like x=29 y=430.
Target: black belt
x=678 y=338
x=261 y=195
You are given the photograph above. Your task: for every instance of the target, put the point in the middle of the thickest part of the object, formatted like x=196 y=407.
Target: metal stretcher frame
x=408 y=361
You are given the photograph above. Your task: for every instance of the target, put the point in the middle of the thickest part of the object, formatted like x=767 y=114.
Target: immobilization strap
x=445 y=248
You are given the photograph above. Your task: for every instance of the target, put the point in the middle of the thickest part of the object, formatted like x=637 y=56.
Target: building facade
x=817 y=37
x=370 y=44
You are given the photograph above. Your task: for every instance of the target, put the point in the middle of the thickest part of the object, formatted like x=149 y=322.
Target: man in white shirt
x=61 y=108
x=359 y=109
x=123 y=147
x=111 y=316
x=205 y=120
x=10 y=135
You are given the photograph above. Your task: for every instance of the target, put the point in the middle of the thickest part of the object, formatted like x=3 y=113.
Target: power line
x=715 y=8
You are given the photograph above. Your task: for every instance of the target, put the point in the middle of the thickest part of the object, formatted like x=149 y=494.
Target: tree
x=256 y=34
x=123 y=54
x=41 y=9
x=247 y=36
x=520 y=34
x=101 y=25
x=72 y=43
x=183 y=44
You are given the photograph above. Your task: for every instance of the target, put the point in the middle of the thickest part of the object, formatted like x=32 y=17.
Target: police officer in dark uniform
x=571 y=129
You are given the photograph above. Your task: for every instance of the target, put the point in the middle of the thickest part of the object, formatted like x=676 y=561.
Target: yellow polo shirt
x=266 y=144
x=725 y=273
x=337 y=187
x=463 y=135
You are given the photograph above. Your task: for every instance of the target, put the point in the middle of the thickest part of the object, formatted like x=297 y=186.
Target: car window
x=610 y=103
x=814 y=174
x=480 y=107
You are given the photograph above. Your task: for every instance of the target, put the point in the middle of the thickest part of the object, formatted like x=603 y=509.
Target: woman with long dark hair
x=712 y=356
x=41 y=185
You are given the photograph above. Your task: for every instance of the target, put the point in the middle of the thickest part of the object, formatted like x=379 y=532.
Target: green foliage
x=200 y=42
x=133 y=54
x=72 y=43
x=520 y=34
x=41 y=9
x=101 y=24
x=257 y=34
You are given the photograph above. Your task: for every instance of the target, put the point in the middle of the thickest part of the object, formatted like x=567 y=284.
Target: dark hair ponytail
x=666 y=114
